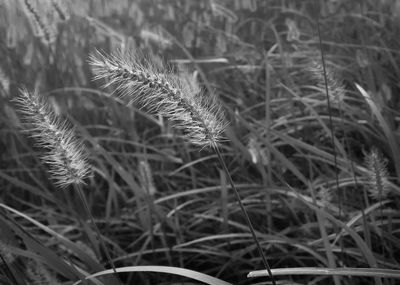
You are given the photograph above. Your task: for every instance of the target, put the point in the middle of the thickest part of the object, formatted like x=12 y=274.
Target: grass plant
x=291 y=104
x=65 y=156
x=201 y=119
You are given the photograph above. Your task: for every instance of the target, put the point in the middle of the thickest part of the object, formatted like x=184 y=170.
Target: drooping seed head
x=336 y=89
x=152 y=86
x=65 y=153
x=378 y=183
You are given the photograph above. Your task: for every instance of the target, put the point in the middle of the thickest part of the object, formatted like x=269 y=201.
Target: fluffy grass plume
x=336 y=87
x=152 y=85
x=65 y=153
x=378 y=185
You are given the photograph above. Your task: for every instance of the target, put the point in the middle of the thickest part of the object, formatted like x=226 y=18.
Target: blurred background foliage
x=263 y=59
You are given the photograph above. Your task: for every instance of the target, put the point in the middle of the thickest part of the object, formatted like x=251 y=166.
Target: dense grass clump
x=256 y=142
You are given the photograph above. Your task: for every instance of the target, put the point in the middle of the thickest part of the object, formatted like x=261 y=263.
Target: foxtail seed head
x=65 y=153
x=153 y=86
x=336 y=89
x=378 y=182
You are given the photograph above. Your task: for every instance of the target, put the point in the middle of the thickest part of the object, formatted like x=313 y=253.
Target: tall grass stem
x=243 y=209
x=102 y=243
x=329 y=109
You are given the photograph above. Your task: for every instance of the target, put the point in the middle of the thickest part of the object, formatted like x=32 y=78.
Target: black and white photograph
x=189 y=142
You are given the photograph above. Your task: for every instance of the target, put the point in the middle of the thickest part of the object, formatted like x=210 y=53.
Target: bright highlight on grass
x=151 y=85
x=65 y=154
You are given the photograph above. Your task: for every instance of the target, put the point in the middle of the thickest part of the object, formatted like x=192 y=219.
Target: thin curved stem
x=12 y=280
x=243 y=209
x=103 y=245
x=331 y=126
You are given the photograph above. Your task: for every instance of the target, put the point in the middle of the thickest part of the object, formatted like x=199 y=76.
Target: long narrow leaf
x=163 y=269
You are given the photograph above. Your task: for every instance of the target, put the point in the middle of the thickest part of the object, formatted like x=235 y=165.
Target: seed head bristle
x=378 y=185
x=336 y=87
x=139 y=80
x=65 y=153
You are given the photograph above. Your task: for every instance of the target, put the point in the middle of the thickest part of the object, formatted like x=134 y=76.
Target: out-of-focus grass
x=279 y=151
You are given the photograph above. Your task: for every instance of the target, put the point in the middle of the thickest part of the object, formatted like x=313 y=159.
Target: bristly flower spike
x=65 y=153
x=336 y=88
x=153 y=86
x=378 y=182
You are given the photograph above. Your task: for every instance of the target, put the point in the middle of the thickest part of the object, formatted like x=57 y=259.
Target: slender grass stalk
x=82 y=197
x=328 y=247
x=328 y=99
x=6 y=271
x=268 y=121
x=177 y=97
x=246 y=216
x=331 y=126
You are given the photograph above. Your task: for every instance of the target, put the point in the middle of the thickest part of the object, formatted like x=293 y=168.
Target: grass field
x=199 y=142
